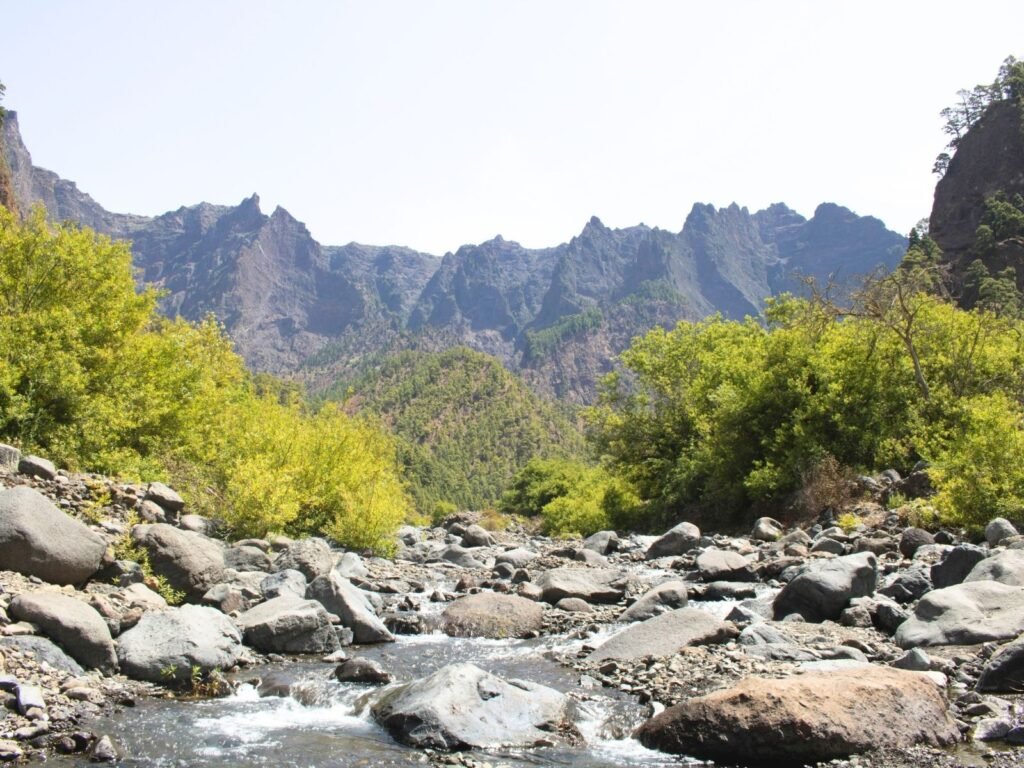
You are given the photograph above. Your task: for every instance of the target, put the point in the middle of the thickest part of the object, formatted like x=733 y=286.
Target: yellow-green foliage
x=92 y=377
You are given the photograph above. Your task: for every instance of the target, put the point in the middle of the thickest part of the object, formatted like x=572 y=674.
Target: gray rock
x=9 y=458
x=909 y=585
x=189 y=561
x=763 y=634
x=289 y=625
x=826 y=588
x=37 y=539
x=957 y=563
x=151 y=512
x=965 y=614
x=310 y=556
x=723 y=565
x=677 y=541
x=1004 y=671
x=247 y=559
x=595 y=585
x=463 y=707
x=351 y=605
x=590 y=557
x=286 y=582
x=29 y=697
x=197 y=524
x=727 y=590
x=488 y=614
x=574 y=605
x=913 y=539
x=350 y=566
x=767 y=720
x=766 y=529
x=829 y=546
x=914 y=660
x=998 y=529
x=475 y=536
x=460 y=556
x=517 y=558
x=36 y=466
x=103 y=751
x=44 y=651
x=165 y=646
x=77 y=626
x=663 y=598
x=365 y=671
x=225 y=598
x=602 y=542
x=1006 y=567
x=664 y=635
x=165 y=497
x=992 y=728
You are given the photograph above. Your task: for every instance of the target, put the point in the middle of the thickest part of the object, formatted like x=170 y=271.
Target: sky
x=433 y=124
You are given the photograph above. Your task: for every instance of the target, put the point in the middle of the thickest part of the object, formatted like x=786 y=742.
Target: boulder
x=246 y=559
x=957 y=563
x=351 y=605
x=663 y=598
x=909 y=585
x=602 y=542
x=574 y=605
x=463 y=707
x=828 y=545
x=677 y=541
x=1004 y=671
x=517 y=558
x=726 y=590
x=312 y=557
x=165 y=497
x=1006 y=567
x=595 y=585
x=289 y=625
x=350 y=565
x=913 y=539
x=766 y=529
x=475 y=536
x=365 y=671
x=817 y=716
x=826 y=588
x=44 y=651
x=590 y=557
x=286 y=582
x=998 y=529
x=9 y=458
x=197 y=524
x=75 y=625
x=460 y=556
x=189 y=561
x=492 y=615
x=723 y=565
x=167 y=645
x=37 y=539
x=36 y=466
x=965 y=614
x=664 y=635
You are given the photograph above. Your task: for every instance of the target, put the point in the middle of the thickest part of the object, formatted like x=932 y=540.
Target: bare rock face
x=488 y=614
x=806 y=718
x=37 y=539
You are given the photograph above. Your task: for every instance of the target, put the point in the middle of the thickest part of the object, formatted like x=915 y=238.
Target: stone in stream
x=189 y=561
x=1006 y=567
x=723 y=565
x=595 y=585
x=965 y=614
x=769 y=720
x=77 y=626
x=956 y=564
x=463 y=707
x=826 y=587
x=338 y=595
x=312 y=557
x=289 y=625
x=661 y=599
x=517 y=558
x=362 y=671
x=37 y=539
x=664 y=635
x=1004 y=671
x=677 y=541
x=165 y=646
x=487 y=614
x=460 y=556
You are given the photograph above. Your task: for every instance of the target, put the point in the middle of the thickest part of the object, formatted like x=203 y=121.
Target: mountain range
x=557 y=315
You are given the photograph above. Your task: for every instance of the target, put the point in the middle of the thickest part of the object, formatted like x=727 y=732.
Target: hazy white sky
x=433 y=124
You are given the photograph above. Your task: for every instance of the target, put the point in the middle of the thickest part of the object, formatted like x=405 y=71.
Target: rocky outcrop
x=765 y=720
x=37 y=539
x=463 y=707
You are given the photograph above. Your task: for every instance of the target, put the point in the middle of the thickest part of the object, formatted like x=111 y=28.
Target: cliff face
x=558 y=315
x=989 y=159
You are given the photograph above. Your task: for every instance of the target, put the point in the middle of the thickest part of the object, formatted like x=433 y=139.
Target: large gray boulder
x=956 y=564
x=75 y=625
x=817 y=716
x=766 y=529
x=463 y=707
x=665 y=635
x=723 y=565
x=460 y=556
x=37 y=466
x=1006 y=567
x=191 y=562
x=247 y=558
x=289 y=625
x=826 y=588
x=595 y=585
x=488 y=614
x=602 y=542
x=475 y=536
x=286 y=582
x=517 y=558
x=1004 y=671
x=37 y=539
x=965 y=614
x=165 y=646
x=663 y=598
x=165 y=497
x=312 y=557
x=677 y=541
x=338 y=595
x=998 y=529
